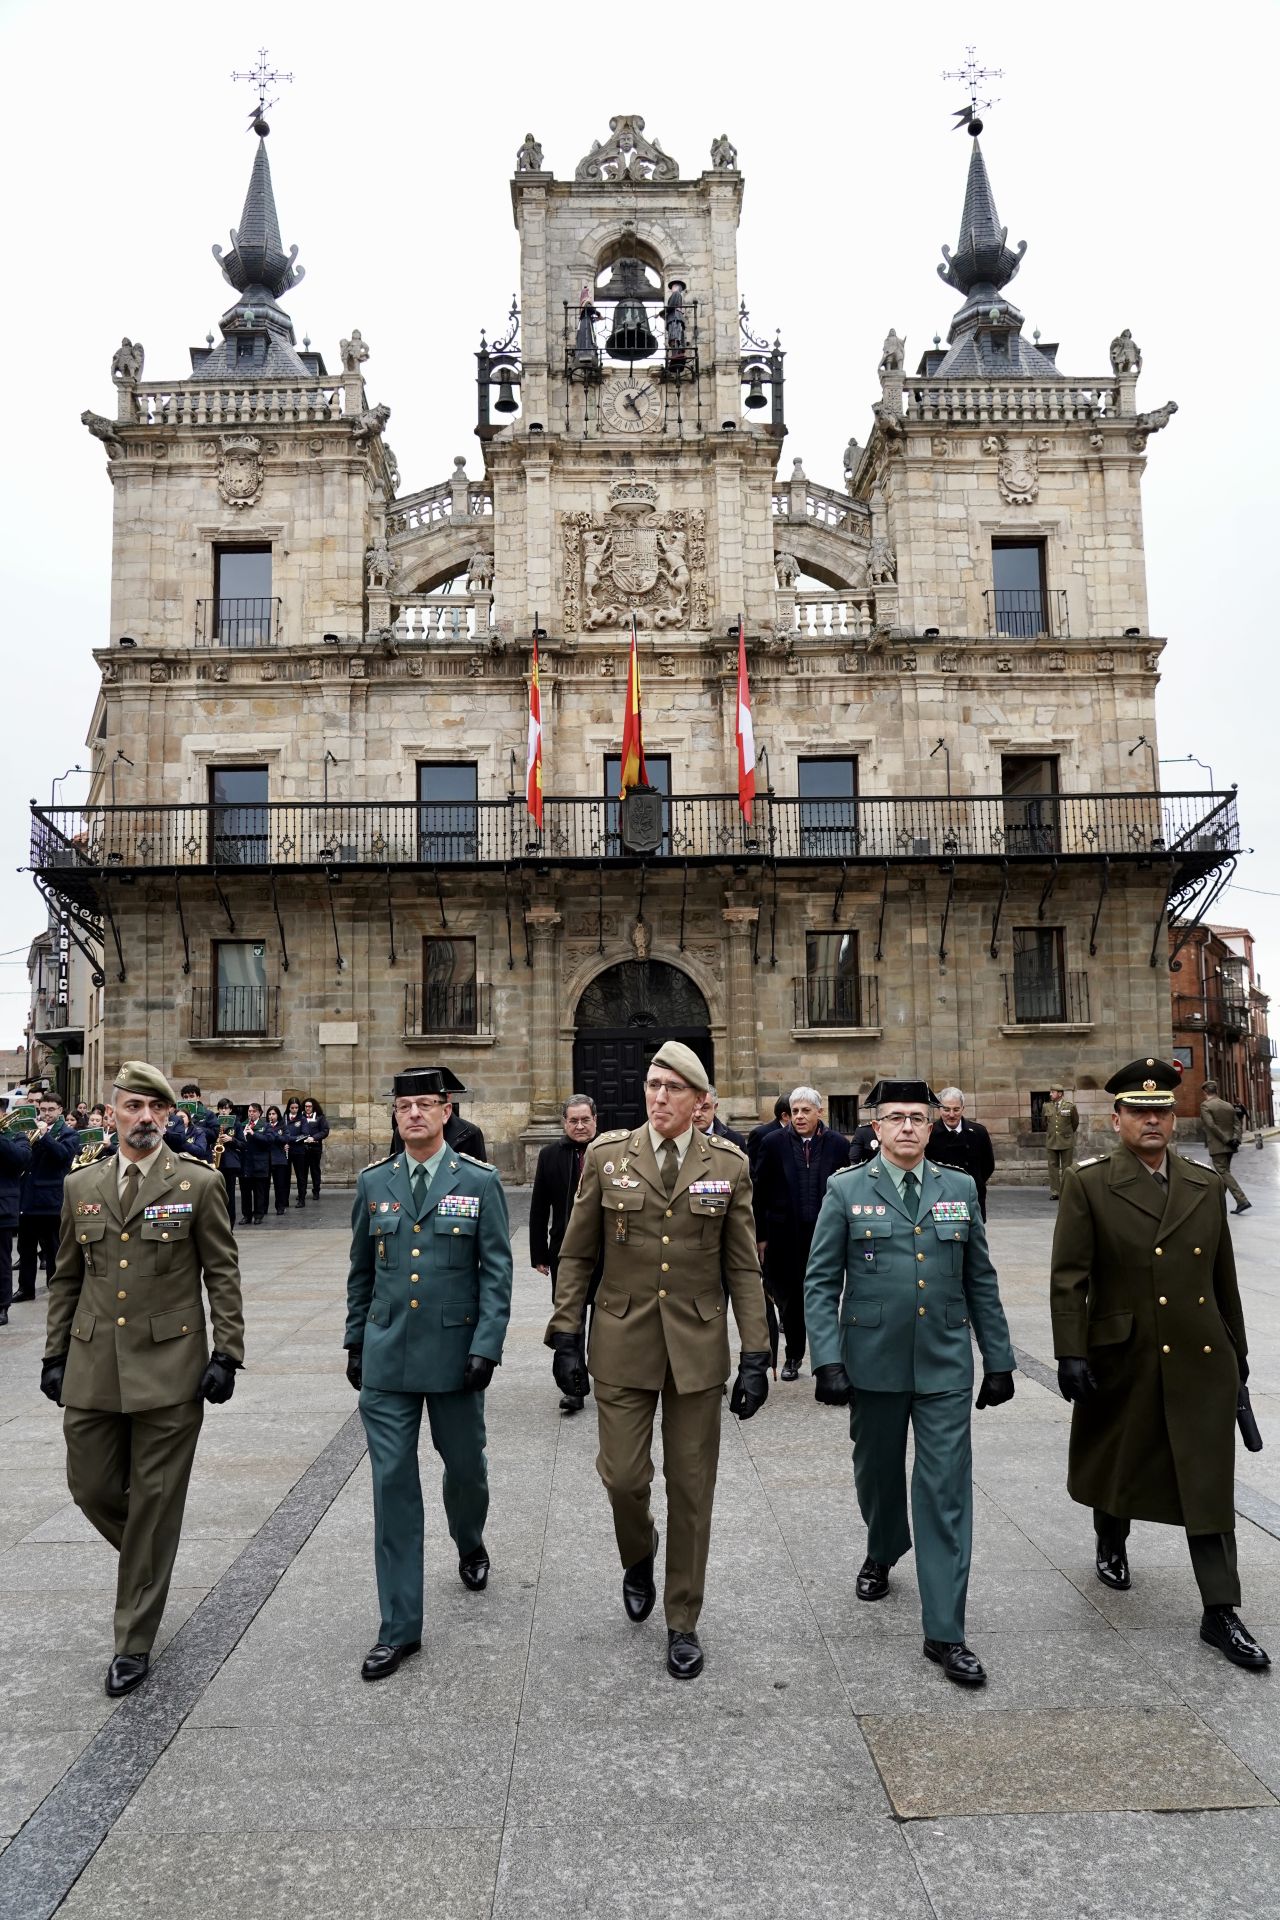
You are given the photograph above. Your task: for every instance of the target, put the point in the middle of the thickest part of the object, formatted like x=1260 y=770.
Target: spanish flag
x=633 y=772
x=533 y=767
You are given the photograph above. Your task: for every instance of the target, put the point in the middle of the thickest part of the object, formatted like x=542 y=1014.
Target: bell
x=755 y=392
x=631 y=338
x=506 y=401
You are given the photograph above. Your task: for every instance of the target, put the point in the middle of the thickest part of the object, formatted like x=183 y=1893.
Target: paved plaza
x=536 y=1759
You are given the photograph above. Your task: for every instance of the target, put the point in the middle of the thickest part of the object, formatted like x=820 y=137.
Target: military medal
x=384 y=1206
x=184 y=1186
x=623 y=1165
x=608 y=1166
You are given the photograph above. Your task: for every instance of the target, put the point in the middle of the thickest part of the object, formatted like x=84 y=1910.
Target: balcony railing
x=836 y=1000
x=1027 y=613
x=1037 y=999
x=459 y=1007
x=235 y=1013
x=1262 y=1046
x=1188 y=832
x=239 y=622
x=1210 y=1013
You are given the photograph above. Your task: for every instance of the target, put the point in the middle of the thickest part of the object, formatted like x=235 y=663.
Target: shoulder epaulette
x=81 y=1166
x=471 y=1161
x=385 y=1161
x=194 y=1160
x=725 y=1146
x=1094 y=1160
x=615 y=1133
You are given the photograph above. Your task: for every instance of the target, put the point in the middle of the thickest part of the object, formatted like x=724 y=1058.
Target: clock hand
x=630 y=401
x=641 y=391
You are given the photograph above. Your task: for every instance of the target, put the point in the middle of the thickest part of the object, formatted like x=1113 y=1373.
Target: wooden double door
x=624 y=1016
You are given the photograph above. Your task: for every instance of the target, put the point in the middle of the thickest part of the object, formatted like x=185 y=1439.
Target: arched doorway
x=623 y=1018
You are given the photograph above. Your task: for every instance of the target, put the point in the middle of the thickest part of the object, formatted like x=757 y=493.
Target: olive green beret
x=684 y=1061
x=135 y=1076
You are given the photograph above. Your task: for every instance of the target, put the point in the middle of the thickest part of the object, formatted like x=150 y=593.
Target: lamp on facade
x=55 y=784
x=126 y=640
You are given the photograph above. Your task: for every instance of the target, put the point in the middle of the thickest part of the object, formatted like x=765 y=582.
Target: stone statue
x=724 y=155
x=126 y=363
x=882 y=568
x=1126 y=354
x=369 y=424
x=640 y=940
x=393 y=470
x=852 y=455
x=480 y=572
x=585 y=350
x=353 y=351
x=674 y=320
x=104 y=430
x=529 y=156
x=379 y=565
x=1157 y=418
x=787 y=568
x=627 y=155
x=891 y=353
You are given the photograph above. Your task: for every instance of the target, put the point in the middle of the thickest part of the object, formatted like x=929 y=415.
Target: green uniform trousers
x=941 y=1494
x=1222 y=1167
x=392 y=1422
x=1060 y=1158
x=128 y=1474
x=1213 y=1558
x=690 y=1458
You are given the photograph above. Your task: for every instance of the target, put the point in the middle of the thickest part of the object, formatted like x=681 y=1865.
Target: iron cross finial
x=972 y=74
x=260 y=78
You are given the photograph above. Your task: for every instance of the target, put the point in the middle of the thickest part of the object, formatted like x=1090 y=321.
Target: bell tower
x=633 y=475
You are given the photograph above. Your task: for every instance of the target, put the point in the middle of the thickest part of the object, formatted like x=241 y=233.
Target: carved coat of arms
x=240 y=469
x=634 y=560
x=1018 y=468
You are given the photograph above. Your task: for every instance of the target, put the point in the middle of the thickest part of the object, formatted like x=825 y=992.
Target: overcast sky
x=1133 y=155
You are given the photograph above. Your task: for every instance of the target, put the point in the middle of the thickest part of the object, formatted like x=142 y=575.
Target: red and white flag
x=632 y=772
x=745 y=733
x=533 y=768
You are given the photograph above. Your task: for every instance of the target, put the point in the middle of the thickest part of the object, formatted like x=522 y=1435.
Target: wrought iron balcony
x=240 y=622
x=1027 y=613
x=235 y=1013
x=1210 y=1013
x=1038 y=999
x=1187 y=834
x=836 y=1000
x=459 y=1007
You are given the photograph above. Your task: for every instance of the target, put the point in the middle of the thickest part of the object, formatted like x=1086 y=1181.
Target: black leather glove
x=355 y=1367
x=51 y=1372
x=477 y=1373
x=996 y=1388
x=568 y=1366
x=751 y=1388
x=218 y=1381
x=832 y=1386
x=1075 y=1380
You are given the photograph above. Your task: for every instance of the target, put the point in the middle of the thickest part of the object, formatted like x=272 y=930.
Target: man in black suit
x=707 y=1120
x=794 y=1167
x=863 y=1145
x=555 y=1182
x=766 y=1130
x=962 y=1144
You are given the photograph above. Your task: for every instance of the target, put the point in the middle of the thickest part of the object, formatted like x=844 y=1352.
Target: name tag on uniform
x=173 y=1210
x=459 y=1206
x=947 y=1210
x=710 y=1186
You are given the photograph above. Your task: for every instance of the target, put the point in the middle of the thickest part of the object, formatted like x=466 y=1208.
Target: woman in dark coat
x=255 y=1180
x=313 y=1131
x=296 y=1141
x=274 y=1132
x=228 y=1154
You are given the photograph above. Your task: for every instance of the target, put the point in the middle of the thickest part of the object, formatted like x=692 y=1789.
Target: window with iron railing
x=448 y=820
x=243 y=611
x=832 y=987
x=238 y=829
x=1041 y=991
x=449 y=996
x=1018 y=588
x=828 y=786
x=1029 y=783
x=238 y=1004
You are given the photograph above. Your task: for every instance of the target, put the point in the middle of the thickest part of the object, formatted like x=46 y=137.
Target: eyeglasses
x=900 y=1120
x=416 y=1106
x=668 y=1086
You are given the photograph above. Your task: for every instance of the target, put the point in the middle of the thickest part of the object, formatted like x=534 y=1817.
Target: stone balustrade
x=433 y=506
x=970 y=401
x=224 y=404
x=840 y=614
x=440 y=617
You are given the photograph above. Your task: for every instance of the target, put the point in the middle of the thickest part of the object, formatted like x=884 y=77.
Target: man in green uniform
x=1061 y=1124
x=670 y=1209
x=904 y=1242
x=126 y=1353
x=1221 y=1124
x=1150 y=1339
x=428 y=1300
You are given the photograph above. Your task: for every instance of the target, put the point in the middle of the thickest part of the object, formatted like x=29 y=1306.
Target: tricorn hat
x=917 y=1092
x=136 y=1076
x=437 y=1080
x=1145 y=1083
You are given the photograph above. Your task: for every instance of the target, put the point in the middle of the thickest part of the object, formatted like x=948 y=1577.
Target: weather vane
x=972 y=74
x=261 y=78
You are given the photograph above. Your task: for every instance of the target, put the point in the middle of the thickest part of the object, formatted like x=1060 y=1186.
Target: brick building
x=306 y=855
x=1220 y=1015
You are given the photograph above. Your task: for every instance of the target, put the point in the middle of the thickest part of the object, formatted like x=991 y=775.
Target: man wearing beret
x=669 y=1208
x=898 y=1274
x=1150 y=1340
x=428 y=1300
x=127 y=1354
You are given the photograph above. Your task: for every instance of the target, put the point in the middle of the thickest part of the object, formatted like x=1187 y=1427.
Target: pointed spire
x=981 y=260
x=258 y=258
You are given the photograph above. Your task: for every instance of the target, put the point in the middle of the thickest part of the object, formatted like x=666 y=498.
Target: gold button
x=413 y=1303
x=922 y=1313
x=120 y=1321
x=417 y=1229
x=662 y=1293
x=920 y=1283
x=1166 y=1349
x=668 y=1210
x=1159 y=1249
x=666 y=1239
x=1201 y=1299
x=122 y=1295
x=868 y=1233
x=1208 y=1349
x=413 y=1279
x=1164 y=1299
x=184 y=1329
x=124 y=1236
x=1195 y=1249
x=919 y=1256
x=417 y=1252
x=620 y=1209
x=84 y=1236
x=666 y=1266
x=164 y=1236
x=124 y=1263
x=919 y=1229
x=457 y=1229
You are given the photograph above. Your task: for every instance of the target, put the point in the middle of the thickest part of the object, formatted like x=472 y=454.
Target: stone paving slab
x=1083 y=1760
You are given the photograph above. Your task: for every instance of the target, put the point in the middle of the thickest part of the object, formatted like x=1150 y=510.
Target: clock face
x=630 y=405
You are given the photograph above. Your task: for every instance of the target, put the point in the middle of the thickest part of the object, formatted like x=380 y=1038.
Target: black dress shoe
x=381 y=1661
x=684 y=1655
x=473 y=1569
x=4 y=1316
x=1243 y=1207
x=1223 y=1628
x=791 y=1370
x=873 y=1580
x=127 y=1671
x=638 y=1589
x=1113 y=1567
x=956 y=1662
x=24 y=1297
x=571 y=1403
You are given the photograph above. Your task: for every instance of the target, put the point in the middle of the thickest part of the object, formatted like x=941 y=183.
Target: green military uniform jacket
x=125 y=1301
x=425 y=1290
x=894 y=1298
x=1144 y=1287
x=672 y=1266
x=1221 y=1124
x=1061 y=1121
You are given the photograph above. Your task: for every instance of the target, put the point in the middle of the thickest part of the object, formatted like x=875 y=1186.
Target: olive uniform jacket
x=894 y=1298
x=1221 y=1124
x=426 y=1289
x=672 y=1266
x=1061 y=1121
x=125 y=1304
x=1143 y=1286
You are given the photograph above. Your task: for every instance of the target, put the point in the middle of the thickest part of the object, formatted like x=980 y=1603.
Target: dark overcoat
x=1144 y=1287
